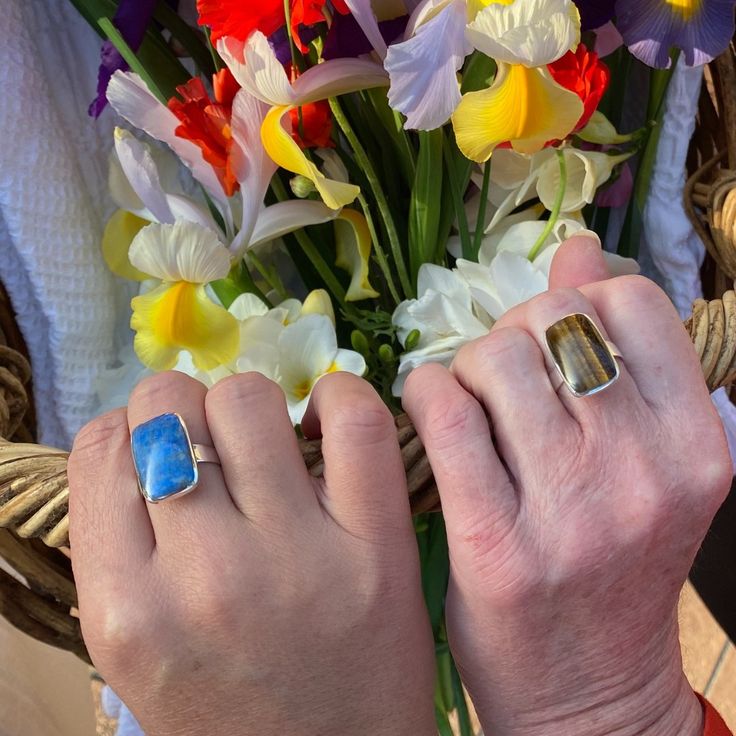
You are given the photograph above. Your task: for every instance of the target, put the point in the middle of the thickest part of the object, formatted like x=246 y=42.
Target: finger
x=479 y=501
x=200 y=512
x=619 y=399
x=364 y=481
x=657 y=350
x=506 y=371
x=578 y=261
x=261 y=461
x=109 y=527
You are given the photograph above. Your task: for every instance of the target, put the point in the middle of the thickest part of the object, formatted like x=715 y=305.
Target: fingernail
x=585 y=233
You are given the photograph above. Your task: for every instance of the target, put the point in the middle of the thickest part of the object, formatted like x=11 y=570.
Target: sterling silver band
x=205 y=454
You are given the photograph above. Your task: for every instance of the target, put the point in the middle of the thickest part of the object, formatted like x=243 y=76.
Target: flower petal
x=529 y=32
x=362 y=11
x=701 y=28
x=119 y=233
x=180 y=316
x=338 y=77
x=142 y=174
x=254 y=65
x=586 y=172
x=252 y=166
x=524 y=106
x=423 y=69
x=285 y=151
x=286 y=217
x=130 y=98
x=246 y=306
x=319 y=302
x=354 y=245
x=183 y=251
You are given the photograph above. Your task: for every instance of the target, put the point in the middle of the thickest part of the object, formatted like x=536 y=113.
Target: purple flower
x=346 y=37
x=650 y=28
x=131 y=19
x=595 y=13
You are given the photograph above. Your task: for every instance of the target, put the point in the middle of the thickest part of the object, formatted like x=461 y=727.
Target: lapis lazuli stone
x=163 y=458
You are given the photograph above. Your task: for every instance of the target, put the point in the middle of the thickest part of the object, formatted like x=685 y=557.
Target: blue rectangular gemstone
x=163 y=458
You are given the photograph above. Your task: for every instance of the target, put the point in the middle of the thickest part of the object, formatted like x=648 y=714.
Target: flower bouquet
x=310 y=186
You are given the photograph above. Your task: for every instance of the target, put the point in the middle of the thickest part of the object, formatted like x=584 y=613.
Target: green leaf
x=426 y=202
x=435 y=571
x=478 y=72
x=154 y=55
x=186 y=36
x=239 y=281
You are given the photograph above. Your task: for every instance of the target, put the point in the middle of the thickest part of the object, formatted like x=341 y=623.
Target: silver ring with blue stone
x=166 y=460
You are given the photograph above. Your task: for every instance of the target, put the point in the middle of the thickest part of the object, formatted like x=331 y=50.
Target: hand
x=267 y=601
x=573 y=522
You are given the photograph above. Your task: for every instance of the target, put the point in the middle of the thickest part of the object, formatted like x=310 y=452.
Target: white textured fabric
x=53 y=200
x=671 y=241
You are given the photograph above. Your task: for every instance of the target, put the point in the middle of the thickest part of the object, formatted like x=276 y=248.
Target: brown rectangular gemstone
x=581 y=354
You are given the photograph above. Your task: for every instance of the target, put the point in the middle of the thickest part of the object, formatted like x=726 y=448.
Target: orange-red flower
x=207 y=123
x=239 y=18
x=585 y=74
x=312 y=125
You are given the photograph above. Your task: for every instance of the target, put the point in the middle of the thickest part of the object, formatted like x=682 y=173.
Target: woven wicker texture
x=710 y=195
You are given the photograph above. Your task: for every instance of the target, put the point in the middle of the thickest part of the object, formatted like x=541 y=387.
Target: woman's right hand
x=573 y=522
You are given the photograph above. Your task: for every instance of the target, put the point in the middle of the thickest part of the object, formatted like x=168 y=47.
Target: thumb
x=579 y=261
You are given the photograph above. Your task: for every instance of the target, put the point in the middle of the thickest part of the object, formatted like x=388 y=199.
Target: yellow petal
x=354 y=244
x=285 y=152
x=119 y=232
x=319 y=302
x=524 y=106
x=180 y=316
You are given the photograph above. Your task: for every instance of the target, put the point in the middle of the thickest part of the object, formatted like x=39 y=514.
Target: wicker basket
x=34 y=493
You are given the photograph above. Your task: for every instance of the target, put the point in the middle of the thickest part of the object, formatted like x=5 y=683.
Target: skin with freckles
x=572 y=522
x=272 y=602
x=267 y=601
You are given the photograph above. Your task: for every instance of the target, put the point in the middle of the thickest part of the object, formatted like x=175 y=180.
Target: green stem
x=273 y=283
x=380 y=253
x=463 y=716
x=365 y=164
x=296 y=57
x=480 y=224
x=556 y=208
x=459 y=205
x=310 y=249
x=131 y=59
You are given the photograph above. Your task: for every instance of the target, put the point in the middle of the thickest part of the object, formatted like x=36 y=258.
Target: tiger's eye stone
x=581 y=355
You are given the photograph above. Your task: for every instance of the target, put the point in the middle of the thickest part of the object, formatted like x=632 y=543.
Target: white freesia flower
x=443 y=314
x=460 y=305
x=308 y=351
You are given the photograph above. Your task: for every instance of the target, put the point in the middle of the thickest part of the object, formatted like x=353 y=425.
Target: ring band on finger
x=584 y=361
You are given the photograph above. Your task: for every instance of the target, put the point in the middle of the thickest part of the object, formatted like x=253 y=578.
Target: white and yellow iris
x=178 y=314
x=256 y=68
x=524 y=106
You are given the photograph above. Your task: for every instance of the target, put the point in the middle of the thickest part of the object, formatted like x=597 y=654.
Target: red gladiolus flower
x=207 y=124
x=585 y=74
x=313 y=129
x=239 y=18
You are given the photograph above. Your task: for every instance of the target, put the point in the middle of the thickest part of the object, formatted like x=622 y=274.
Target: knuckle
x=114 y=631
x=151 y=388
x=453 y=420
x=564 y=301
x=421 y=377
x=245 y=388
x=502 y=345
x=98 y=438
x=362 y=414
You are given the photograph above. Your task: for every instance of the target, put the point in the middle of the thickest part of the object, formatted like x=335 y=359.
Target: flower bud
x=412 y=340
x=302 y=187
x=359 y=342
